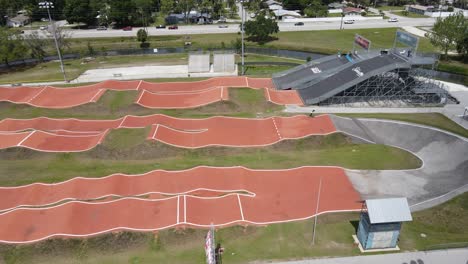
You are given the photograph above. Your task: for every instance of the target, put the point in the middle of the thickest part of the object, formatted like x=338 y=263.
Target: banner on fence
x=362 y=42
x=407 y=39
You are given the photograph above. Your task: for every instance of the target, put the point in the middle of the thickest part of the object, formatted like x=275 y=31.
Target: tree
x=185 y=6
x=11 y=45
x=462 y=42
x=447 y=32
x=36 y=45
x=122 y=12
x=166 y=6
x=80 y=11
x=142 y=36
x=63 y=38
x=316 y=9
x=144 y=9
x=261 y=28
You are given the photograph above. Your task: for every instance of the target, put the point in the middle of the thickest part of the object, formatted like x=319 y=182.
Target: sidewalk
x=451 y=256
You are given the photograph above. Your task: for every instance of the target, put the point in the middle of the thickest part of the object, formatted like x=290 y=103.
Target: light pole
x=48 y=6
x=341 y=25
x=242 y=36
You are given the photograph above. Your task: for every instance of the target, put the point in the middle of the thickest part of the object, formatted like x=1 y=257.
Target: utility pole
x=48 y=6
x=342 y=16
x=242 y=36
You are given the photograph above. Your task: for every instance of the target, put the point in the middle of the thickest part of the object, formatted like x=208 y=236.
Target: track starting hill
x=369 y=77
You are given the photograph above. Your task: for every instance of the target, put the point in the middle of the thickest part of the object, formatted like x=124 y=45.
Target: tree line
x=120 y=12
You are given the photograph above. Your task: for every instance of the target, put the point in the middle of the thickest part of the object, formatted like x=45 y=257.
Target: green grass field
x=442 y=224
x=323 y=41
x=50 y=71
x=454 y=66
x=121 y=153
x=389 y=8
x=410 y=14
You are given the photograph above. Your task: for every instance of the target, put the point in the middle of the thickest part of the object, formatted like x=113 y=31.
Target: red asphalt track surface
x=152 y=95
x=196 y=197
x=74 y=135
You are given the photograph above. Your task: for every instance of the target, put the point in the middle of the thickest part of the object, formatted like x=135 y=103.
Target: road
x=234 y=28
x=452 y=256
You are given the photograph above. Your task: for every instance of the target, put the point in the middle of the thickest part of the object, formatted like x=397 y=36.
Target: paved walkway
x=452 y=256
x=415 y=31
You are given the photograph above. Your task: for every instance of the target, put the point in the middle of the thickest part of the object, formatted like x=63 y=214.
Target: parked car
x=43 y=27
x=129 y=28
x=223 y=26
x=349 y=21
x=101 y=28
x=161 y=26
x=173 y=27
x=393 y=19
x=299 y=24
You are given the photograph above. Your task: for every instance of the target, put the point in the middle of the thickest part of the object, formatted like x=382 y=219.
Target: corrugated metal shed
x=388 y=210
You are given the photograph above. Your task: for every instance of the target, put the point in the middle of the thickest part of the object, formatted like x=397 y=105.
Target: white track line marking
x=102 y=136
x=185 y=209
x=138 y=87
x=141 y=95
x=268 y=93
x=99 y=93
x=178 y=202
x=240 y=207
x=123 y=120
x=24 y=139
x=34 y=97
x=135 y=196
x=276 y=127
x=155 y=131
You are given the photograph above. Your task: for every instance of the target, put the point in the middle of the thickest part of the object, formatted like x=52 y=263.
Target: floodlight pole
x=242 y=36
x=48 y=6
x=316 y=210
x=341 y=25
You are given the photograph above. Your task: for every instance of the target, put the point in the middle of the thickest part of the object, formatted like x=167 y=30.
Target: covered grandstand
x=390 y=77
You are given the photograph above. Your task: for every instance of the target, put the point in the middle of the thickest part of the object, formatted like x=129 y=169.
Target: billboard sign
x=362 y=42
x=407 y=39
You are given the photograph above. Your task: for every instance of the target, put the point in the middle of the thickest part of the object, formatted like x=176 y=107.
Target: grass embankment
x=243 y=102
x=429 y=119
x=128 y=151
x=50 y=71
x=389 y=8
x=441 y=225
x=410 y=14
x=454 y=66
x=321 y=41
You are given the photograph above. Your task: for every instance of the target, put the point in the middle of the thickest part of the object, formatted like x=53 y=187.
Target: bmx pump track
x=170 y=95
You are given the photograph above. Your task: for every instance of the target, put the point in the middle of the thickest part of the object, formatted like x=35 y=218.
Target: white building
x=18 y=21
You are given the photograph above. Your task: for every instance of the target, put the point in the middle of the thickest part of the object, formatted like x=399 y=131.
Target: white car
x=43 y=27
x=393 y=19
x=349 y=21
